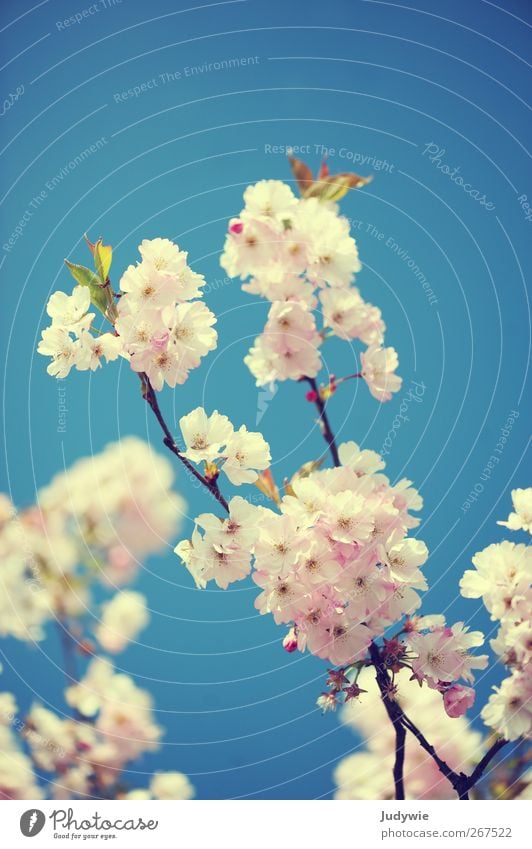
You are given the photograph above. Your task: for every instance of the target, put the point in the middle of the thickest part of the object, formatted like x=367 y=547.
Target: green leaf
x=103 y=256
x=85 y=277
x=334 y=187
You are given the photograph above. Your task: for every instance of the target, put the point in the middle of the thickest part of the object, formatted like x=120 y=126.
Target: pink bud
x=457 y=700
x=311 y=395
x=236 y=227
x=159 y=342
x=290 y=641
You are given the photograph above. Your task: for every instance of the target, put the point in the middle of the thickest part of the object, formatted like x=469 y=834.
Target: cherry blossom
x=156 y=323
x=335 y=557
x=71 y=311
x=290 y=250
x=378 y=367
x=85 y=756
x=442 y=656
x=367 y=774
x=501 y=578
x=17 y=776
x=204 y=435
x=521 y=519
x=457 y=699
x=121 y=620
x=213 y=440
x=94 y=521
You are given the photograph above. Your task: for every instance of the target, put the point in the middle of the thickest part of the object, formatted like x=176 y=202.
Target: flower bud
x=327 y=702
x=290 y=641
x=457 y=700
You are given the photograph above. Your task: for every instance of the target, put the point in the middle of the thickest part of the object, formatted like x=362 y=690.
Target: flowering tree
x=91 y=528
x=332 y=557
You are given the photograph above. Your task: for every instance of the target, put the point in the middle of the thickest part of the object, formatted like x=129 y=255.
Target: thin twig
x=151 y=399
x=67 y=646
x=461 y=782
x=482 y=765
x=327 y=433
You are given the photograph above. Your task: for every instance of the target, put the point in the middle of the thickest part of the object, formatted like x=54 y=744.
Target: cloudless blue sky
x=376 y=82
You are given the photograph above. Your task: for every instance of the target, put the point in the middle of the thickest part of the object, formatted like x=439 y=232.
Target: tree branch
x=67 y=647
x=398 y=767
x=482 y=765
x=461 y=782
x=396 y=715
x=151 y=399
x=327 y=433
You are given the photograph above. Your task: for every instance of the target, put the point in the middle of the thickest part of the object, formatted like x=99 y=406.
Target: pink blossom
x=290 y=641
x=457 y=700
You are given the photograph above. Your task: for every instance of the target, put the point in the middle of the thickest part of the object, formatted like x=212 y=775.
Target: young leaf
x=103 y=256
x=85 y=277
x=334 y=188
x=267 y=485
x=302 y=173
x=306 y=469
x=326 y=187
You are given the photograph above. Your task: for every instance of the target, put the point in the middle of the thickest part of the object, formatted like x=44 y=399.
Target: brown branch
x=396 y=717
x=327 y=433
x=461 y=782
x=482 y=765
x=68 y=651
x=151 y=399
x=399 y=763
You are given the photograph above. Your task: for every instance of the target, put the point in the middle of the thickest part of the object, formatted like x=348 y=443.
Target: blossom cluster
x=85 y=757
x=214 y=441
x=68 y=340
x=95 y=521
x=17 y=778
x=298 y=254
x=502 y=579
x=337 y=565
x=160 y=323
